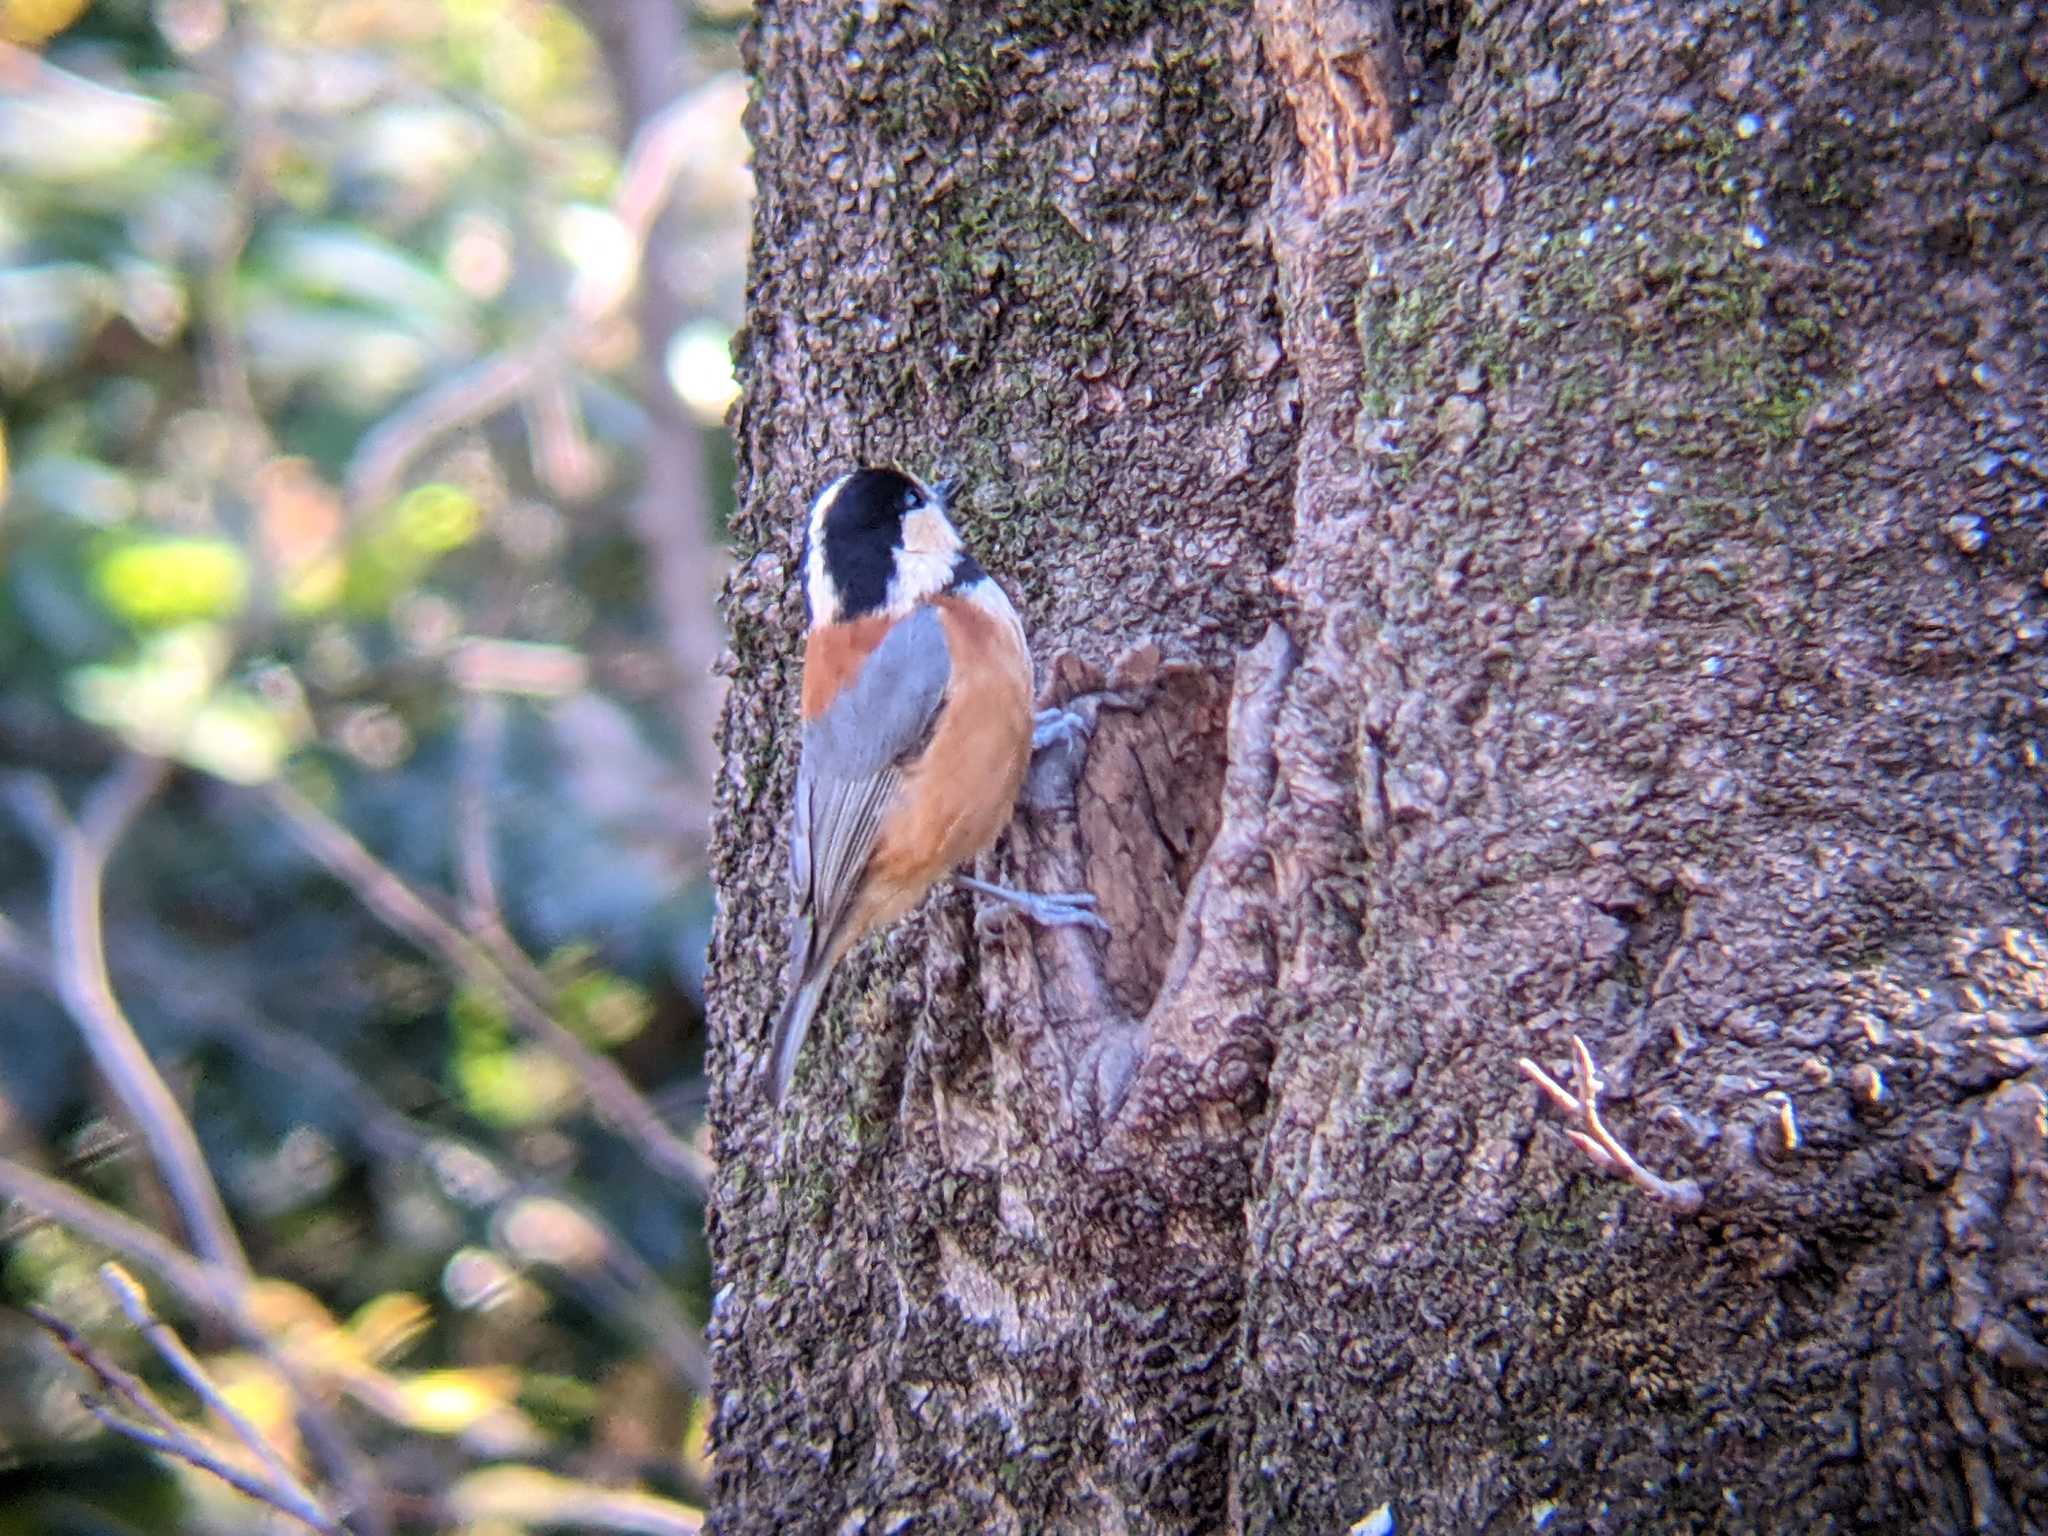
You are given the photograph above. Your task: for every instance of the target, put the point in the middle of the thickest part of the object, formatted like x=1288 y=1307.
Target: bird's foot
x=1055 y=727
x=1049 y=909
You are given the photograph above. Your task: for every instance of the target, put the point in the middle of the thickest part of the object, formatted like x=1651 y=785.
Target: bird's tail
x=790 y=1029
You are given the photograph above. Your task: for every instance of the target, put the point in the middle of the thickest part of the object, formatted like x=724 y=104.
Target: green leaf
x=158 y=582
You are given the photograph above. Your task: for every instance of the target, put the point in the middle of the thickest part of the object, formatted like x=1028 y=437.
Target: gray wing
x=850 y=770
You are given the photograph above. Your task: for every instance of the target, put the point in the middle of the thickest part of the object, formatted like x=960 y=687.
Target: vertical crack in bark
x=1087 y=1037
x=1155 y=1111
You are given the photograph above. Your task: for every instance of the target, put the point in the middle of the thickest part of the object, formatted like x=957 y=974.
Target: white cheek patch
x=824 y=598
x=924 y=559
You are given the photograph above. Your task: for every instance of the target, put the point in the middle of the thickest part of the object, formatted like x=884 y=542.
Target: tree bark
x=1544 y=506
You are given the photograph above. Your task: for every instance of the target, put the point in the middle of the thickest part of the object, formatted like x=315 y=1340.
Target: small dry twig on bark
x=1599 y=1143
x=153 y=1425
x=410 y=915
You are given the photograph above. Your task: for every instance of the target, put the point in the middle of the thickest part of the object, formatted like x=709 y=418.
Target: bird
x=917 y=729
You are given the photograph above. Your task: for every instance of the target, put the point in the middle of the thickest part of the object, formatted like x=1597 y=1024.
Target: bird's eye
x=909 y=500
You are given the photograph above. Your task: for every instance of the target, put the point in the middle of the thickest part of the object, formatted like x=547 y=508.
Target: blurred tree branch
x=642 y=41
x=611 y=1275
x=217 y=1277
x=279 y=225
x=222 y=1293
x=78 y=853
x=154 y=1426
x=207 y=1287
x=479 y=392
x=526 y=995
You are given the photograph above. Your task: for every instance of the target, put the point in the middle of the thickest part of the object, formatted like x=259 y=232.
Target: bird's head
x=878 y=541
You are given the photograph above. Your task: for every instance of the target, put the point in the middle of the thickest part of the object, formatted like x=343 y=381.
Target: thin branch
x=480 y=391
x=134 y=1304
x=410 y=915
x=478 y=753
x=161 y=1431
x=475 y=394
x=1597 y=1141
x=79 y=854
x=221 y=1293
x=398 y=1138
x=112 y=1378
x=187 y=1447
x=391 y=1135
x=214 y=1290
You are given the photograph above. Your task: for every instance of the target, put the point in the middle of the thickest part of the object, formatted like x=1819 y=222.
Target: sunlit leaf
x=253 y=1388
x=533 y=1497
x=476 y=1404
x=315 y=586
x=296 y=1317
x=168 y=700
x=150 y=699
x=389 y=1325
x=447 y=1402
x=28 y=23
x=434 y=519
x=173 y=581
x=424 y=524
x=236 y=736
x=60 y=127
x=517 y=1087
x=606 y=1009
x=501 y=1082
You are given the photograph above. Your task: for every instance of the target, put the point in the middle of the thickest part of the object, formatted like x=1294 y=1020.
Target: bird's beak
x=945 y=490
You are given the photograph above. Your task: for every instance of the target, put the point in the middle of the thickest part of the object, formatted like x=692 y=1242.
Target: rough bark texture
x=1552 y=538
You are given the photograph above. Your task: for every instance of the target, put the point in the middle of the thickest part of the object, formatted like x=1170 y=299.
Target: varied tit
x=917 y=727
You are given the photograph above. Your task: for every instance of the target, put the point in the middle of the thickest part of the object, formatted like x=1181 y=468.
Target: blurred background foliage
x=362 y=366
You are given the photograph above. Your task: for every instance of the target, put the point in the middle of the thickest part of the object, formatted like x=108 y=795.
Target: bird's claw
x=1054 y=727
x=1049 y=909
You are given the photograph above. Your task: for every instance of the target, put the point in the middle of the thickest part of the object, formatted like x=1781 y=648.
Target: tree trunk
x=1544 y=505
